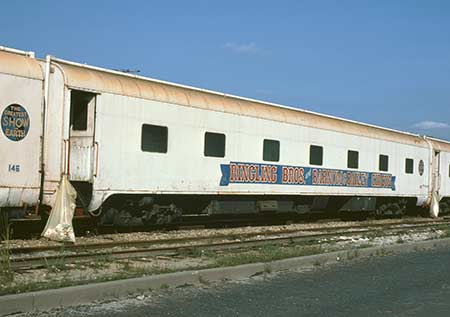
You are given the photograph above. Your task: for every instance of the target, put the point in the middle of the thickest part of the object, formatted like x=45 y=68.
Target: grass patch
x=203 y=281
x=445 y=232
x=381 y=252
x=317 y=263
x=36 y=286
x=66 y=281
x=265 y=254
x=364 y=246
x=205 y=259
x=267 y=269
x=197 y=252
x=59 y=264
x=128 y=270
x=6 y=272
x=140 y=271
x=352 y=254
x=101 y=261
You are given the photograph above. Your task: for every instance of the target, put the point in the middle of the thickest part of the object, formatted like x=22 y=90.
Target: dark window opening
x=384 y=163
x=409 y=166
x=449 y=171
x=315 y=155
x=79 y=109
x=271 y=150
x=353 y=159
x=154 y=138
x=214 y=144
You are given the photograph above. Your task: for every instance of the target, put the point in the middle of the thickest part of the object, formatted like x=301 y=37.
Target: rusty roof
x=107 y=81
x=20 y=65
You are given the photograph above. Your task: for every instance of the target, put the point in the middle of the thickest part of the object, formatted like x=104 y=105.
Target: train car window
x=154 y=138
x=271 y=150
x=214 y=144
x=449 y=171
x=384 y=163
x=315 y=155
x=79 y=106
x=409 y=166
x=352 y=159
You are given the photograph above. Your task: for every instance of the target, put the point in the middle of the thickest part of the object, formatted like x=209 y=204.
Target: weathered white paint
x=21 y=187
x=121 y=166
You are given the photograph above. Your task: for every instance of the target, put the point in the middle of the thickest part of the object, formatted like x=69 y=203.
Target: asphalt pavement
x=414 y=284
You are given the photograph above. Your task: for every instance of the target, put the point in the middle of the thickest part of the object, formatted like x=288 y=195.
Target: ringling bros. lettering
x=255 y=173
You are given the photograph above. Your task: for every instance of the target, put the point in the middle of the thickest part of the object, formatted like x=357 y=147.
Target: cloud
x=246 y=48
x=429 y=125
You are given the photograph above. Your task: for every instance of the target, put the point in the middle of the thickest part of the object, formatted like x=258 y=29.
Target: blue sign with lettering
x=15 y=122
x=256 y=173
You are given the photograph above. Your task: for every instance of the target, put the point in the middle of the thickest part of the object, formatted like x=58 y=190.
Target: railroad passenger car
x=143 y=151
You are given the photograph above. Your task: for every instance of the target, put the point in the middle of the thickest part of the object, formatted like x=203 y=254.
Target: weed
x=381 y=252
x=6 y=273
x=130 y=271
x=364 y=246
x=161 y=270
x=267 y=268
x=445 y=232
x=59 y=264
x=164 y=286
x=198 y=252
x=352 y=254
x=126 y=266
x=202 y=280
x=101 y=261
x=139 y=271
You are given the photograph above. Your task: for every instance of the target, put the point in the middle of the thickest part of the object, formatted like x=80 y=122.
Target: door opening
x=80 y=104
x=81 y=136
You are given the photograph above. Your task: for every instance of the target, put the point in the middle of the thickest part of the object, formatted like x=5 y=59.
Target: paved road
x=415 y=284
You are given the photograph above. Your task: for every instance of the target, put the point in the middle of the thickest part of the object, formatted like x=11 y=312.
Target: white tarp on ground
x=434 y=208
x=59 y=225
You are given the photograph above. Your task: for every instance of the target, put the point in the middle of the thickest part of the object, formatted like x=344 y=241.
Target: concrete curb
x=75 y=295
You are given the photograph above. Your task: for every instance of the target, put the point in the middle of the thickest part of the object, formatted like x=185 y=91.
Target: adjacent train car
x=142 y=151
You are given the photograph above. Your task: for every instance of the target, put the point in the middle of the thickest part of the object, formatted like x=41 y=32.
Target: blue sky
x=380 y=62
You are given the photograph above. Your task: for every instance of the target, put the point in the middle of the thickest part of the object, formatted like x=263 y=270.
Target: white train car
x=142 y=150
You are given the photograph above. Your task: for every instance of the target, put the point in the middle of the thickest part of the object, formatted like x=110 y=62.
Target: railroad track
x=36 y=257
x=86 y=246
